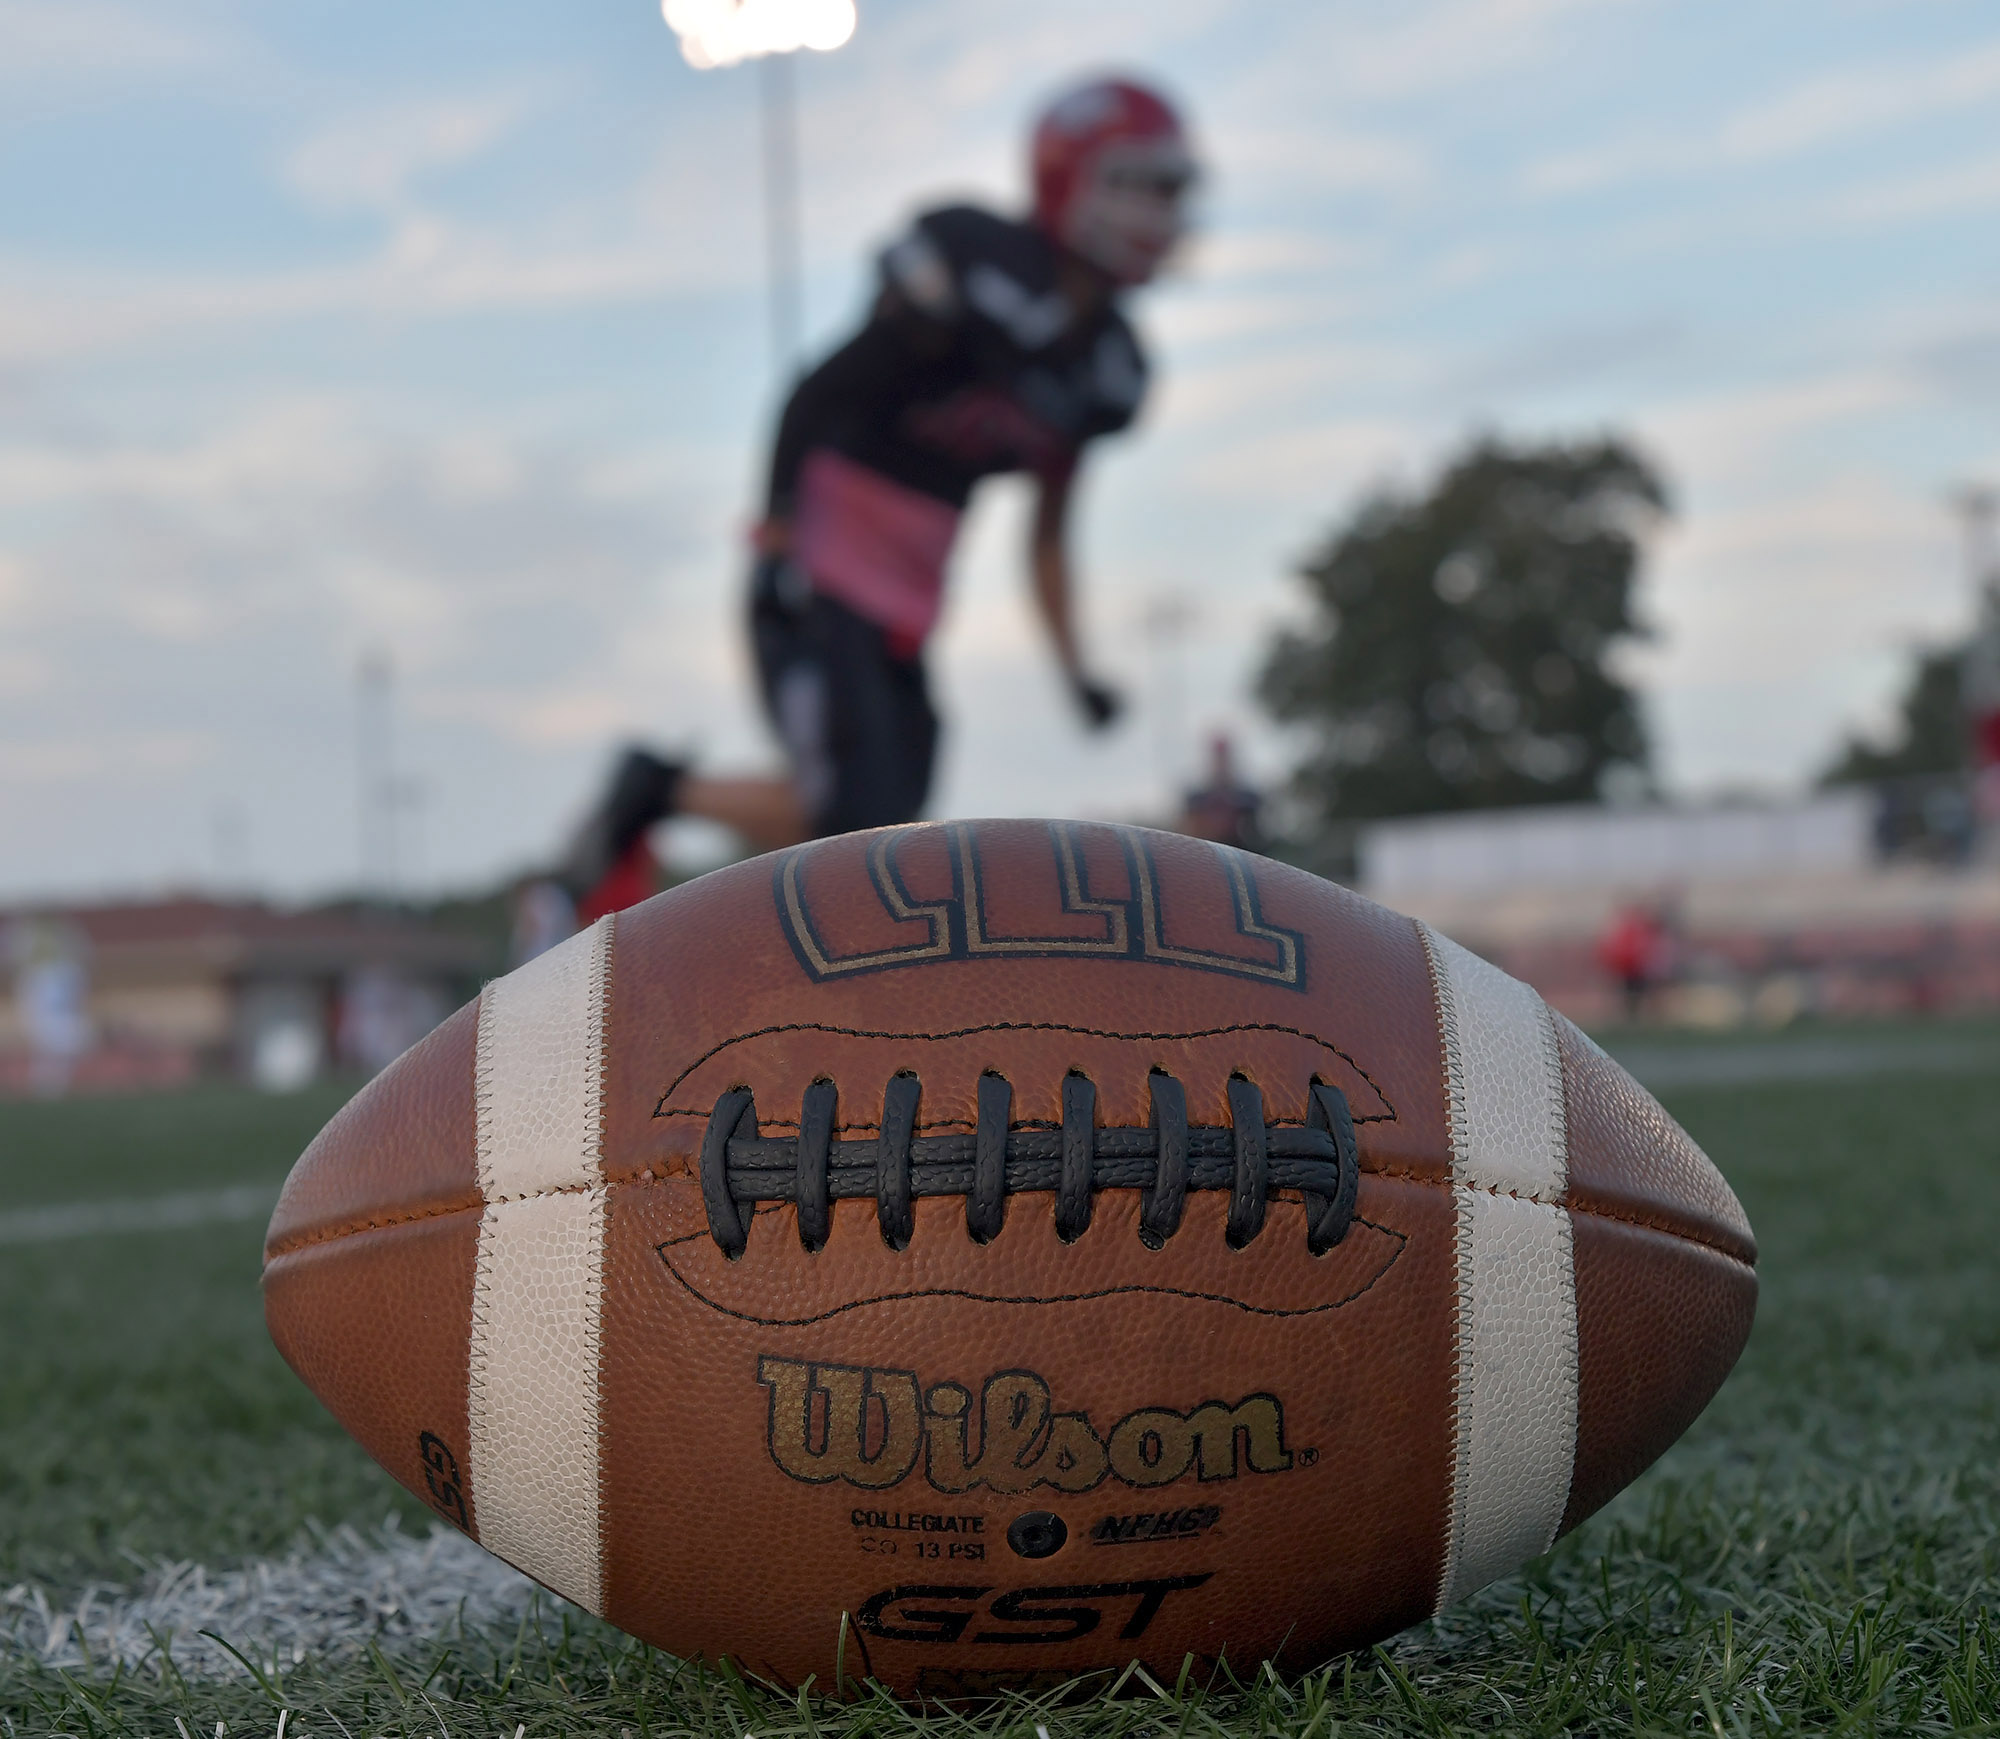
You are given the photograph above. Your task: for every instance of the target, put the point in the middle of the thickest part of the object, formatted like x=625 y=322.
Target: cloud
x=1207 y=318
x=1736 y=435
x=1788 y=616
x=189 y=607
x=1313 y=463
x=966 y=64
x=1841 y=575
x=1828 y=109
x=369 y=160
x=1226 y=256
x=306 y=519
x=1845 y=517
x=93 y=39
x=1260 y=384
x=1958 y=187
x=427 y=269
x=1427 y=48
x=1841 y=104
x=64 y=759
x=1537 y=362
x=1289 y=160
x=299 y=442
x=435 y=262
x=23 y=676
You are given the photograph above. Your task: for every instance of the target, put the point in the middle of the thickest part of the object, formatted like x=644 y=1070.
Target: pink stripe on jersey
x=876 y=546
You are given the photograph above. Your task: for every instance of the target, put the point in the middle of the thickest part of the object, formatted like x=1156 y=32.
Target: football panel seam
x=333 y=1234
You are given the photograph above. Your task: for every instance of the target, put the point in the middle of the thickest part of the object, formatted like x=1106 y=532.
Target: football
x=970 y=1255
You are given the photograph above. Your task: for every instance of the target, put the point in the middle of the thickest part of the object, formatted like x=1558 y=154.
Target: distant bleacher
x=1775 y=909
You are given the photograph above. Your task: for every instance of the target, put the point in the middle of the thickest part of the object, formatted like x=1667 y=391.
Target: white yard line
x=90 y=1219
x=330 y=1599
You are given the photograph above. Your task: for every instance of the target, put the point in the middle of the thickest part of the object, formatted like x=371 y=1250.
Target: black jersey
x=973 y=363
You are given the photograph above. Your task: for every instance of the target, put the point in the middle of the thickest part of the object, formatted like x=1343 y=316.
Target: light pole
x=782 y=243
x=374 y=765
x=716 y=33
x=1979 y=671
x=1167 y=620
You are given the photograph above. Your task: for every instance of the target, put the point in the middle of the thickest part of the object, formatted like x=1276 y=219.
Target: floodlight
x=722 y=32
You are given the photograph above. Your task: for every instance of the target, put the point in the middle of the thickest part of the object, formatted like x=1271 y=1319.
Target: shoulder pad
x=930 y=263
x=916 y=266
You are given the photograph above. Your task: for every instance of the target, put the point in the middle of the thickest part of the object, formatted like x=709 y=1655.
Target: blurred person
x=1979 y=685
x=52 y=1001
x=994 y=345
x=1637 y=949
x=543 y=916
x=381 y=1014
x=1223 y=808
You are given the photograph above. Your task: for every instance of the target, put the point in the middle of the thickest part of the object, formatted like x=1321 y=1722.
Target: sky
x=438 y=335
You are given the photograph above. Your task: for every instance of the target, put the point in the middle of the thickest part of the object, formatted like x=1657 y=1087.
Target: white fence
x=1581 y=846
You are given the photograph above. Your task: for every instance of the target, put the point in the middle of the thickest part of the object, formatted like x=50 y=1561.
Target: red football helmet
x=1112 y=172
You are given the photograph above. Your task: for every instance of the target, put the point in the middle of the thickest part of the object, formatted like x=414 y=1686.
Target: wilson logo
x=870 y=1426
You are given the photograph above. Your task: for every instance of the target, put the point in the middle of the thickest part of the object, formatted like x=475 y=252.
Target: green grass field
x=1820 y=1555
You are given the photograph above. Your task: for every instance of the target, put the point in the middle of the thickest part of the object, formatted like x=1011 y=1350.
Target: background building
x=159 y=993
x=1756 y=912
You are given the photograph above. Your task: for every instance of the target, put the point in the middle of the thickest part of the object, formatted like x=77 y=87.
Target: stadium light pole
x=1978 y=507
x=782 y=241
x=1979 y=671
x=374 y=684
x=1167 y=620
x=719 y=33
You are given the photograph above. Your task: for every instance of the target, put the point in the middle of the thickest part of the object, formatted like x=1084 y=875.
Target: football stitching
x=1409 y=1174
x=1402 y=1174
x=1402 y=1243
x=1024 y=1026
x=1656 y=1225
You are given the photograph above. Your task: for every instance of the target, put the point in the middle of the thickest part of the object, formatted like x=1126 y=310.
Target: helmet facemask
x=1128 y=211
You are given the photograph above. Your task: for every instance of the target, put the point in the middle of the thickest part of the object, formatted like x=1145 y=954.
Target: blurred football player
x=994 y=345
x=1222 y=807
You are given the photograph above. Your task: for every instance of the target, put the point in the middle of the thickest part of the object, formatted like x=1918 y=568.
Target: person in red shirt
x=994 y=345
x=1636 y=950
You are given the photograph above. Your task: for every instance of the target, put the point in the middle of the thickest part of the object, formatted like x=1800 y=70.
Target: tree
x=1457 y=652
x=1930 y=733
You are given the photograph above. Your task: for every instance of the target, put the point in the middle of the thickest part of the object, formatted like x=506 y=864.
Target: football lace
x=1250 y=1158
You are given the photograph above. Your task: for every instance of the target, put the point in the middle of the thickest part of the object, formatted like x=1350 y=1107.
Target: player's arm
x=1049 y=564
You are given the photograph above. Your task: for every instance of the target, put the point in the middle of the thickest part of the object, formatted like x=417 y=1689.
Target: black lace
x=1250 y=1159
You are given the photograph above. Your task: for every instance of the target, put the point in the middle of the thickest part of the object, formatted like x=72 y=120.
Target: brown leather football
x=974 y=1254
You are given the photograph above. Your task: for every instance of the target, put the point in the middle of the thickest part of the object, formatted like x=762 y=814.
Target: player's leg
x=794 y=682
x=608 y=864
x=883 y=731
x=853 y=714
x=856 y=723
x=765 y=811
